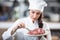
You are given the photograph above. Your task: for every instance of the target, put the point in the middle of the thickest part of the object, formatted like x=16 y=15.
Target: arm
x=48 y=31
x=18 y=24
x=49 y=34
x=12 y=29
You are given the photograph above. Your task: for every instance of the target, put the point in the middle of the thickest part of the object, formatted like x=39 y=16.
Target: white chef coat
x=28 y=24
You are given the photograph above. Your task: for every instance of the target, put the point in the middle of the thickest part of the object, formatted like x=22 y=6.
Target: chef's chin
x=33 y=19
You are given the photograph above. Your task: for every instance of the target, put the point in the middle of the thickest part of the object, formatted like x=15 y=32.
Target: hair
x=40 y=23
x=0 y=8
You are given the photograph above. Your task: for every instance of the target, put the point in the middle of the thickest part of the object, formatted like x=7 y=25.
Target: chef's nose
x=35 y=15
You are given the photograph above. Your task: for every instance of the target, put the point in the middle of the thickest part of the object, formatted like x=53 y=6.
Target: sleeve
x=7 y=34
x=49 y=33
x=47 y=29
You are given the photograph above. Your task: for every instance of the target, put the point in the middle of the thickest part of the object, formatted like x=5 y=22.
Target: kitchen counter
x=52 y=25
x=6 y=24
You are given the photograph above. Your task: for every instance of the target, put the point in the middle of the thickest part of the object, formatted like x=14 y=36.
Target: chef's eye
x=33 y=12
x=38 y=13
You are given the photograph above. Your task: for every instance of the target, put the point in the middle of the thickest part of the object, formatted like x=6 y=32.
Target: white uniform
x=20 y=33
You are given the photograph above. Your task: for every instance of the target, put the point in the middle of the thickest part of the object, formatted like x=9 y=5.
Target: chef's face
x=34 y=14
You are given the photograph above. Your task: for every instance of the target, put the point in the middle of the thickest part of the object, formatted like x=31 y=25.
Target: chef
x=22 y=26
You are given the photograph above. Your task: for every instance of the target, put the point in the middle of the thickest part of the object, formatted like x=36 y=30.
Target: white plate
x=37 y=34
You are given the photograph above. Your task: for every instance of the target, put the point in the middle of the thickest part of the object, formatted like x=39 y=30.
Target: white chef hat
x=37 y=4
x=8 y=4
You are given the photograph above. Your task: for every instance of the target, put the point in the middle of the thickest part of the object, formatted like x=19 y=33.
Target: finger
x=21 y=25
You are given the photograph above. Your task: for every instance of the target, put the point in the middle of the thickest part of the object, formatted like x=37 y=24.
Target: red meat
x=37 y=31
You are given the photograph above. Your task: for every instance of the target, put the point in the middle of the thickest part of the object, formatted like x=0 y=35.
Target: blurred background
x=11 y=10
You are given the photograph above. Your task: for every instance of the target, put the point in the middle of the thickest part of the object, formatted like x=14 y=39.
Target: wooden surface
x=1 y=32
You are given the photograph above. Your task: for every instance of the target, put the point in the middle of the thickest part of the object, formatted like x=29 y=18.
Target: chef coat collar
x=36 y=21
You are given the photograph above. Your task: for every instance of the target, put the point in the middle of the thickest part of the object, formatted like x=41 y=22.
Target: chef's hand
x=21 y=25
